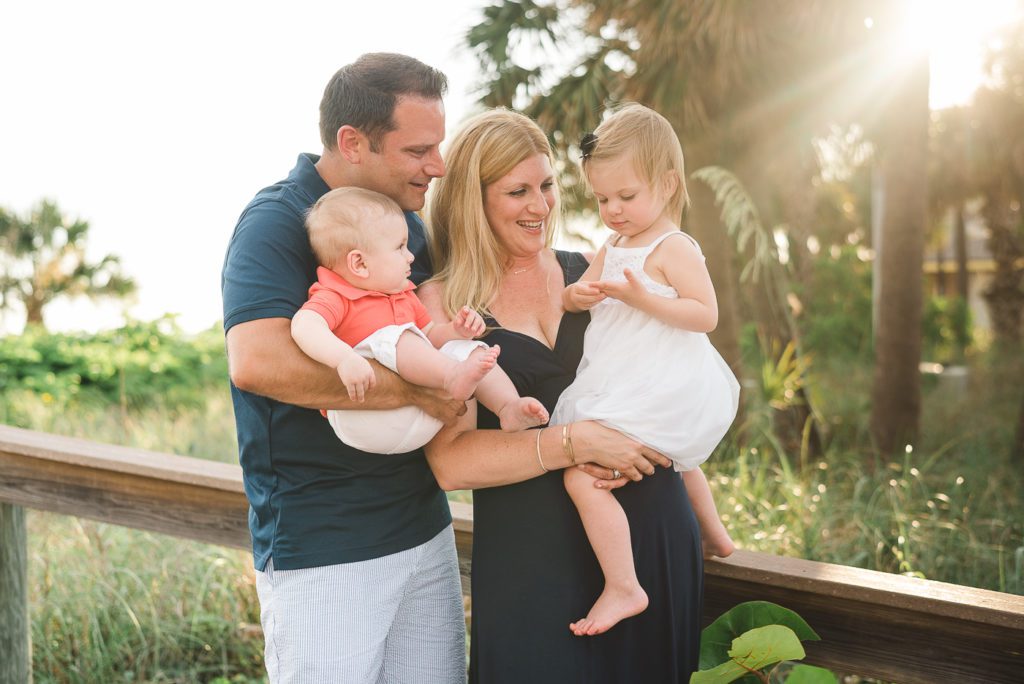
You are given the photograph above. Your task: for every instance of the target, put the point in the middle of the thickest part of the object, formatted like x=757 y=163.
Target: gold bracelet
x=567 y=443
x=539 y=459
x=568 y=439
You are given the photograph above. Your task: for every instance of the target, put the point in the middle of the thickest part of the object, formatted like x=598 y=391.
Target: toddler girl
x=648 y=368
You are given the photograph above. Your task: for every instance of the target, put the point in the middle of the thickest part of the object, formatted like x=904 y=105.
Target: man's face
x=409 y=157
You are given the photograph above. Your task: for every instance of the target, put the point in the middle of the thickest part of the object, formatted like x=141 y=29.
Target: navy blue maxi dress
x=534 y=571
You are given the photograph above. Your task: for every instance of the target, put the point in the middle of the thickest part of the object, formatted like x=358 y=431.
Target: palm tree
x=43 y=258
x=901 y=132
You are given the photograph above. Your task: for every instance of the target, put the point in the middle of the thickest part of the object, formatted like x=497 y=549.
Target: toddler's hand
x=585 y=295
x=358 y=376
x=468 y=323
x=629 y=292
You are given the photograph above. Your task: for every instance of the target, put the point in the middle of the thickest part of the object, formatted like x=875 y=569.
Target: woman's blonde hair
x=645 y=136
x=467 y=257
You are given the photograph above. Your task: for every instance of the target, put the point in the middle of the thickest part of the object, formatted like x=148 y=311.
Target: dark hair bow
x=587 y=144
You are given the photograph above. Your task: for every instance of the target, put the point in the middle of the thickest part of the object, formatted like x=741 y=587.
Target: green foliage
x=141 y=364
x=748 y=638
x=836 y=321
x=742 y=220
x=947 y=329
x=808 y=674
x=716 y=639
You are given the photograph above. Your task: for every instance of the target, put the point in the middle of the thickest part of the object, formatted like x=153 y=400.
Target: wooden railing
x=874 y=624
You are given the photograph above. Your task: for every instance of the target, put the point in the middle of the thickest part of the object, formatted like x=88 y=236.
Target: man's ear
x=356 y=263
x=352 y=144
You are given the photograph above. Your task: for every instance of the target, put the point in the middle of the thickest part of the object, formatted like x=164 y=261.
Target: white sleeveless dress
x=662 y=386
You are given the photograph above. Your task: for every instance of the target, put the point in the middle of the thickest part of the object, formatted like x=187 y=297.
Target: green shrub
x=133 y=366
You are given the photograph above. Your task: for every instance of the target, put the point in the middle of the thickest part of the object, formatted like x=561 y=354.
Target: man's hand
x=468 y=324
x=358 y=376
x=437 y=403
x=584 y=296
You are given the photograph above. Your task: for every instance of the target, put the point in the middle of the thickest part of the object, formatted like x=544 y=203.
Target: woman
x=492 y=219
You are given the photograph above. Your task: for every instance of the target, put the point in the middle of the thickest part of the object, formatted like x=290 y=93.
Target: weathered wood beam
x=176 y=495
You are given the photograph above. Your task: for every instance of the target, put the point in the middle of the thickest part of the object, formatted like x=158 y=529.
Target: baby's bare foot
x=465 y=376
x=614 y=605
x=523 y=413
x=716 y=542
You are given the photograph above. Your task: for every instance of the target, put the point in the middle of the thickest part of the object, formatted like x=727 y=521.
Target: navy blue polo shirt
x=312 y=499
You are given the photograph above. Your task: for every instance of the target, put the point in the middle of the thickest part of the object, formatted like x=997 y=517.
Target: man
x=356 y=567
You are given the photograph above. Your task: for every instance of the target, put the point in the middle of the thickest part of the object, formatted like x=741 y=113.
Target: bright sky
x=157 y=121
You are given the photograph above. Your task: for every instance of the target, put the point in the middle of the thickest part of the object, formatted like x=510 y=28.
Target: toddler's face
x=388 y=258
x=627 y=203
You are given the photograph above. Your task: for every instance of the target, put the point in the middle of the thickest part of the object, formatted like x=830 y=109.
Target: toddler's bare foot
x=523 y=413
x=716 y=542
x=465 y=376
x=613 y=605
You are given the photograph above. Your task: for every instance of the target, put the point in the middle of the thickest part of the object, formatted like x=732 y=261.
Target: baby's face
x=388 y=257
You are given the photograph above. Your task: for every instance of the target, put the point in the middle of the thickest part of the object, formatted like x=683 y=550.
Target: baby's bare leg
x=608 y=531
x=497 y=393
x=419 y=363
x=715 y=539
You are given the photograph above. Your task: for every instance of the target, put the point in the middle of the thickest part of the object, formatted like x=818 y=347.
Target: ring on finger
x=616 y=474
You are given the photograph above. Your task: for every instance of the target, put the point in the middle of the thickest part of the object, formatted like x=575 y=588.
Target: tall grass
x=947 y=509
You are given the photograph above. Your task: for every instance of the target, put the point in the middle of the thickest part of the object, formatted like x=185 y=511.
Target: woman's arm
x=463 y=457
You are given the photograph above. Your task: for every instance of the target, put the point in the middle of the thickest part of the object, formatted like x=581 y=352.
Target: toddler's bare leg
x=497 y=393
x=608 y=531
x=715 y=539
x=421 y=364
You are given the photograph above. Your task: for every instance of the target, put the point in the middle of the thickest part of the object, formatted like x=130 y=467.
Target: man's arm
x=263 y=359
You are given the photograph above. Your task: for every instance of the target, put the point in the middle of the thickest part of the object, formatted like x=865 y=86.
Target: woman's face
x=518 y=206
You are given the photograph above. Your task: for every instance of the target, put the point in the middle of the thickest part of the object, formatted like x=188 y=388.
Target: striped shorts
x=391 y=620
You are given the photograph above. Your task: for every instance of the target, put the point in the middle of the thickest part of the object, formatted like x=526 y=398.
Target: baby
x=363 y=306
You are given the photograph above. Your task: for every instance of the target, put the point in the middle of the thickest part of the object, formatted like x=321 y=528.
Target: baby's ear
x=356 y=263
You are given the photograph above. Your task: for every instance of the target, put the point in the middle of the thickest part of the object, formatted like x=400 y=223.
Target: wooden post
x=16 y=663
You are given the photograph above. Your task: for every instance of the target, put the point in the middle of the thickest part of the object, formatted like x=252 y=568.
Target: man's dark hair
x=364 y=93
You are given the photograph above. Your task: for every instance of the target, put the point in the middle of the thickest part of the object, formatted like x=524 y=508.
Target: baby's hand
x=629 y=292
x=585 y=295
x=468 y=323
x=358 y=376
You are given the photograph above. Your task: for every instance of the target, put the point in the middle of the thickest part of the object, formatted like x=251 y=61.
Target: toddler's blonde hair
x=345 y=219
x=645 y=136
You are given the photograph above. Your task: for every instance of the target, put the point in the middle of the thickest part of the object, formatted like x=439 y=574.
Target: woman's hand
x=606 y=450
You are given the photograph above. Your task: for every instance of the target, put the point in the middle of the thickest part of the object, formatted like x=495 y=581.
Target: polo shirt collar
x=336 y=283
x=305 y=176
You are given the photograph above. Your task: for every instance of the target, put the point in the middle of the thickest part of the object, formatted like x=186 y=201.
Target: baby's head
x=362 y=236
x=642 y=138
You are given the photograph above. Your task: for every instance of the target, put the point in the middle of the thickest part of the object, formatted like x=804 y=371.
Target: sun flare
x=956 y=32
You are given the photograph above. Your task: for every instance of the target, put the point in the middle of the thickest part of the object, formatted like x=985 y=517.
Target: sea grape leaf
x=717 y=638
